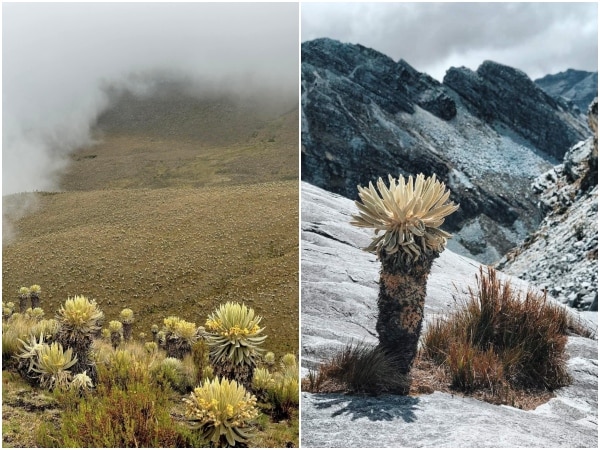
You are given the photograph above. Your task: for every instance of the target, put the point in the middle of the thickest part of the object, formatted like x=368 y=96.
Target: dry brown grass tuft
x=501 y=345
x=357 y=368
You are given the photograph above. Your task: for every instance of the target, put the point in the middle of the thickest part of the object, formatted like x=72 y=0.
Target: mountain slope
x=339 y=289
x=364 y=116
x=172 y=137
x=562 y=254
x=577 y=86
x=183 y=203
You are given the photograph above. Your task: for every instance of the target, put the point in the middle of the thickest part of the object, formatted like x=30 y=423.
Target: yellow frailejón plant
x=80 y=320
x=80 y=316
x=234 y=333
x=223 y=410
x=52 y=363
x=409 y=213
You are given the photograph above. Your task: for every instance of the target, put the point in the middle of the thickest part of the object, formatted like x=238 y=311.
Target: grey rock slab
x=436 y=420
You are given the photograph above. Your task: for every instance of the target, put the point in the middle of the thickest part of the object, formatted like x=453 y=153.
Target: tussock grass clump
x=357 y=368
x=499 y=339
x=15 y=329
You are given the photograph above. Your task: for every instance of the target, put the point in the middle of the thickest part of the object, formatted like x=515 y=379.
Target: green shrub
x=133 y=415
x=200 y=360
x=222 y=410
x=121 y=368
x=171 y=372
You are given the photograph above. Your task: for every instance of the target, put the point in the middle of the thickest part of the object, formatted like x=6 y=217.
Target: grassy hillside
x=181 y=204
x=167 y=142
x=165 y=252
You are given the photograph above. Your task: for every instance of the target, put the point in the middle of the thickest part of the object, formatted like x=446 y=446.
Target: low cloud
x=538 y=38
x=61 y=61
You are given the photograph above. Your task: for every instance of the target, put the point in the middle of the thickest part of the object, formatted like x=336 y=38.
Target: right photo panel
x=449 y=225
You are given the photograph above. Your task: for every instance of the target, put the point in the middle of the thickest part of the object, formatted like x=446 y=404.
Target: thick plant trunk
x=127 y=331
x=402 y=290
x=35 y=301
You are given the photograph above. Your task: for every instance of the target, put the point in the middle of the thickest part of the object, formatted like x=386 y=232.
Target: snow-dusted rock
x=486 y=134
x=339 y=293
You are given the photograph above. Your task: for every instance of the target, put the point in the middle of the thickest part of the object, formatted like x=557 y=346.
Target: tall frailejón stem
x=409 y=212
x=401 y=301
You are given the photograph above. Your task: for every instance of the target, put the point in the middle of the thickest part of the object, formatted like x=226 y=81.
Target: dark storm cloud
x=57 y=58
x=538 y=38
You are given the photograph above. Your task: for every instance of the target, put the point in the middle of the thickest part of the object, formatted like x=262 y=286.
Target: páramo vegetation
x=179 y=385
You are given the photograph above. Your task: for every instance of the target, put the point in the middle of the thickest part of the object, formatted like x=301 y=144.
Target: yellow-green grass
x=162 y=252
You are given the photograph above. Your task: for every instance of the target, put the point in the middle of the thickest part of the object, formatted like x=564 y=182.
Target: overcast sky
x=538 y=38
x=55 y=58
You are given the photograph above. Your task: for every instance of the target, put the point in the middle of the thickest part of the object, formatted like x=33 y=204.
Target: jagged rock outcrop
x=578 y=87
x=364 y=116
x=504 y=95
x=562 y=254
x=339 y=305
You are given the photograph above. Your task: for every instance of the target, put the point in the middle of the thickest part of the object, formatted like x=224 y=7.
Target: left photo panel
x=150 y=203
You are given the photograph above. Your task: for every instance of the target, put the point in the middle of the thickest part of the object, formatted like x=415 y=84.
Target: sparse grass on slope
x=156 y=144
x=165 y=252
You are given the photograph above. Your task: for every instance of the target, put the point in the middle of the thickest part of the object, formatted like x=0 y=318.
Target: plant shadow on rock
x=376 y=409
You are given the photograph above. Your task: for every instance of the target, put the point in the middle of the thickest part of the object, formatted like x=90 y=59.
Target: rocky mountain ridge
x=364 y=116
x=578 y=87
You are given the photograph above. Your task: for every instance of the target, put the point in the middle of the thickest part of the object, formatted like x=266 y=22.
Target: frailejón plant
x=222 y=410
x=409 y=212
